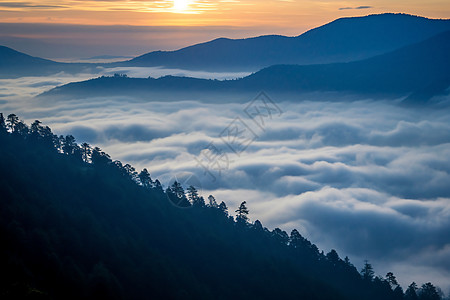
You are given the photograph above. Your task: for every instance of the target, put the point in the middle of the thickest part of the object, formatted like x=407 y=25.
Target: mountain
x=74 y=224
x=16 y=64
x=12 y=60
x=343 y=40
x=419 y=71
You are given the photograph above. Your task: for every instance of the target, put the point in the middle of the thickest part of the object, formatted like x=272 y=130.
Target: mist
x=368 y=178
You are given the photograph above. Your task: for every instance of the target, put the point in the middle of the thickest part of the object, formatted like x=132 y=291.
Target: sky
x=80 y=29
x=369 y=179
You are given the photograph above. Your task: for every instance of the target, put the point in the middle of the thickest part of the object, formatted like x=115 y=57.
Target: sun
x=180 y=5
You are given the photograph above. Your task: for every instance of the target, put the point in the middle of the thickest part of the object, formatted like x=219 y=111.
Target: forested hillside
x=74 y=224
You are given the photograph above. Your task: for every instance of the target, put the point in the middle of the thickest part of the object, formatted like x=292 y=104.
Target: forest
x=76 y=224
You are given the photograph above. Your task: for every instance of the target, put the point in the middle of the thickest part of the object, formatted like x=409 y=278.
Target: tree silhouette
x=242 y=213
x=86 y=152
x=212 y=202
x=258 y=225
x=177 y=196
x=36 y=127
x=194 y=198
x=145 y=179
x=367 y=272
x=411 y=292
x=295 y=239
x=89 y=227
x=428 y=292
x=11 y=122
x=280 y=236
x=391 y=279
x=130 y=172
x=333 y=257
x=223 y=208
x=347 y=261
x=69 y=145
x=100 y=158
x=22 y=129
x=158 y=186
x=16 y=126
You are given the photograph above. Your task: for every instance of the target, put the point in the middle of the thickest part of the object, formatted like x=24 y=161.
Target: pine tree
x=99 y=157
x=333 y=257
x=36 y=127
x=391 y=279
x=223 y=208
x=280 y=236
x=130 y=172
x=178 y=196
x=86 y=152
x=367 y=272
x=295 y=239
x=194 y=198
x=158 y=186
x=11 y=122
x=69 y=145
x=258 y=226
x=212 y=202
x=411 y=292
x=428 y=292
x=242 y=213
x=145 y=179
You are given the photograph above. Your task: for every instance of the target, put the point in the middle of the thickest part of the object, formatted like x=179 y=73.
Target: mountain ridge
x=337 y=41
x=93 y=228
x=418 y=71
x=342 y=40
x=17 y=64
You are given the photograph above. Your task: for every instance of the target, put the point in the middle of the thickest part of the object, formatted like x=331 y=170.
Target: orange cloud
x=286 y=14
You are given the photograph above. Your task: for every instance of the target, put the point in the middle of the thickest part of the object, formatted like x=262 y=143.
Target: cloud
x=358 y=7
x=27 y=5
x=368 y=178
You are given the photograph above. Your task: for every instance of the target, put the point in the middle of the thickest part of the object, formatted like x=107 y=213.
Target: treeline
x=76 y=224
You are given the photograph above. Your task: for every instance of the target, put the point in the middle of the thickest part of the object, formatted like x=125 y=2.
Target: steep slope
x=343 y=40
x=88 y=228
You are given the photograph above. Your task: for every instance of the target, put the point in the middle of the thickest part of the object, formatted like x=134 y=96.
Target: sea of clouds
x=369 y=178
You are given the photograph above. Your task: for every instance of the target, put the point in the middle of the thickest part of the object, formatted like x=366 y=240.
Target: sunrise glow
x=283 y=15
x=180 y=5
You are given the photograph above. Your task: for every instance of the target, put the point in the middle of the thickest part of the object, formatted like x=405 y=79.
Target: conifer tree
x=242 y=213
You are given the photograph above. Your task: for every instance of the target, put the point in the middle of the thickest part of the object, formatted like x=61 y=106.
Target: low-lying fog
x=368 y=178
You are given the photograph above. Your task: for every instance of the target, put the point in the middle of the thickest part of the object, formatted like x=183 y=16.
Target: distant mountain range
x=343 y=40
x=418 y=71
x=16 y=64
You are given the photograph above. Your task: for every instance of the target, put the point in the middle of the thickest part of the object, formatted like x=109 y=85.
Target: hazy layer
x=369 y=179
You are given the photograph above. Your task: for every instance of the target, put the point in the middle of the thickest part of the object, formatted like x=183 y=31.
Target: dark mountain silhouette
x=12 y=57
x=16 y=64
x=418 y=71
x=343 y=40
x=74 y=224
